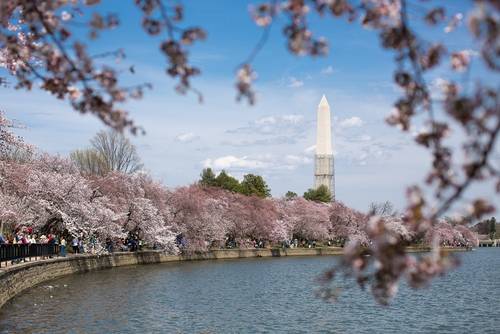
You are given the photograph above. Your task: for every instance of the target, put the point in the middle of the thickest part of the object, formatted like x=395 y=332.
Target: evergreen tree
x=227 y=182
x=493 y=228
x=208 y=178
x=254 y=185
x=321 y=194
x=290 y=195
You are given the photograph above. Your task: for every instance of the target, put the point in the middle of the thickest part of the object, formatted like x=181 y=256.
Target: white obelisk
x=324 y=173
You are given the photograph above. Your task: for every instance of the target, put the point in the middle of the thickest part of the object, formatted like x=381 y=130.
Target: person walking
x=63 y=247
x=80 y=245
x=51 y=242
x=109 y=245
x=92 y=244
x=74 y=244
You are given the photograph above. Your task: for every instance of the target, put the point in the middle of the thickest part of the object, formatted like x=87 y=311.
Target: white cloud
x=351 y=122
x=295 y=83
x=365 y=138
x=364 y=150
x=269 y=120
x=278 y=140
x=310 y=149
x=187 y=137
x=294 y=119
x=295 y=160
x=231 y=162
x=327 y=70
x=284 y=125
x=266 y=120
x=267 y=161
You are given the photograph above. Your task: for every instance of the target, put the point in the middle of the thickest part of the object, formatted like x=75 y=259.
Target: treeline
x=60 y=195
x=250 y=185
x=488 y=227
x=51 y=195
x=256 y=185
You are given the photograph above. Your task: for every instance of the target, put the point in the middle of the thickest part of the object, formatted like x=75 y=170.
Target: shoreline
x=17 y=278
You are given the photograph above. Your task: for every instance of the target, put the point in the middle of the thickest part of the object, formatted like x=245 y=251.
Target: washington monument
x=324 y=171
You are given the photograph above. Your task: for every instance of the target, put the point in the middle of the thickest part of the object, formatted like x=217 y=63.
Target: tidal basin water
x=264 y=295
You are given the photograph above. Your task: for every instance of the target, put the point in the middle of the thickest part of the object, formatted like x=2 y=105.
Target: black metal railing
x=17 y=252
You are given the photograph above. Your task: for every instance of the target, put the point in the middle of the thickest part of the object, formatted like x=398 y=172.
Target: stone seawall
x=15 y=279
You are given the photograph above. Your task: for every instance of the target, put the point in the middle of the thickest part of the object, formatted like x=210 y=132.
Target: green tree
x=321 y=194
x=493 y=228
x=290 y=195
x=207 y=178
x=227 y=182
x=254 y=185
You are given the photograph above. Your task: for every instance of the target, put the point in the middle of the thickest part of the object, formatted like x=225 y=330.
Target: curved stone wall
x=16 y=279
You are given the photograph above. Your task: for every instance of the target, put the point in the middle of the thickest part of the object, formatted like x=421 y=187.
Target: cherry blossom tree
x=120 y=189
x=141 y=204
x=308 y=220
x=58 y=201
x=257 y=216
x=347 y=224
x=398 y=227
x=145 y=218
x=49 y=194
x=200 y=218
x=452 y=236
x=13 y=178
x=11 y=212
x=470 y=238
x=11 y=144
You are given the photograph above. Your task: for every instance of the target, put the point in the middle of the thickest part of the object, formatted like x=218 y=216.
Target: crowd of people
x=26 y=237
x=132 y=243
x=288 y=243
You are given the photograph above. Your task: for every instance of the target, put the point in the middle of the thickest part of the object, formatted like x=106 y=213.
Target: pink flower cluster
x=452 y=236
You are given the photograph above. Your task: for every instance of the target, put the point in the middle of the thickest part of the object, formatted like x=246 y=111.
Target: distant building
x=324 y=171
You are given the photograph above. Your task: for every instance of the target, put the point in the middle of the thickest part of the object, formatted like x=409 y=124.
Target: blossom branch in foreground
x=383 y=263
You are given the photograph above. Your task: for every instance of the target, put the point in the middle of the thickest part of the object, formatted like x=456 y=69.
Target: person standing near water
x=80 y=245
x=63 y=247
x=74 y=244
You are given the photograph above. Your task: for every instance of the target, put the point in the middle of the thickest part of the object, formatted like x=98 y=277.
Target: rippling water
x=274 y=295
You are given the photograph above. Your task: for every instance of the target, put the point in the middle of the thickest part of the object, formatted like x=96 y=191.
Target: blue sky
x=373 y=161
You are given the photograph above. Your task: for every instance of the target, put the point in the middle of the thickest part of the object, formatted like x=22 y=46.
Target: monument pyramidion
x=324 y=172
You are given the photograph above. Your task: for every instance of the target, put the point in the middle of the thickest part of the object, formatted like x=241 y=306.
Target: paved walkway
x=9 y=264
